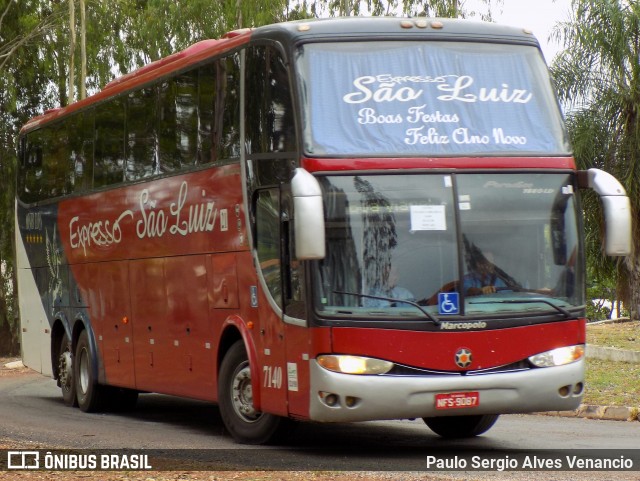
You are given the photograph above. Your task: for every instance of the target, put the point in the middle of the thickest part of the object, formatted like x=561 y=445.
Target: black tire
x=89 y=393
x=66 y=376
x=461 y=426
x=244 y=423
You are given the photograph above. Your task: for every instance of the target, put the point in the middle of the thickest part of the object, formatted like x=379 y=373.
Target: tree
x=598 y=79
x=24 y=92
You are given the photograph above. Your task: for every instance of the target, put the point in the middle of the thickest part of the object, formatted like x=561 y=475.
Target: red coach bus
x=333 y=220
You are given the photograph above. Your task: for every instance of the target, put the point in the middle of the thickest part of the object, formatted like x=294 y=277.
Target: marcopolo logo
x=454 y=326
x=463 y=357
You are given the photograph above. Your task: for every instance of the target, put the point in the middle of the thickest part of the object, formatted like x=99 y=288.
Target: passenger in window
x=389 y=289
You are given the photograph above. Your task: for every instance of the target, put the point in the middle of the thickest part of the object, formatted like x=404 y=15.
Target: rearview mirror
x=617 y=211
x=308 y=216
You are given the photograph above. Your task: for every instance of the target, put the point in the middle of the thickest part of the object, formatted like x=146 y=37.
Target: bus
x=332 y=220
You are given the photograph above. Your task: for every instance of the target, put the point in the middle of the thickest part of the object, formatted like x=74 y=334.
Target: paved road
x=31 y=409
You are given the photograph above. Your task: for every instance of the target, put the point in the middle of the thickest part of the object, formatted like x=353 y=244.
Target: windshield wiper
x=561 y=310
x=428 y=315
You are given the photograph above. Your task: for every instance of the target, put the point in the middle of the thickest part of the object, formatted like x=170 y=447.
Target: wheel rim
x=65 y=371
x=84 y=370
x=242 y=394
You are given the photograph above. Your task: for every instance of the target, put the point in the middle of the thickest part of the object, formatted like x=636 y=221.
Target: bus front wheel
x=461 y=426
x=235 y=400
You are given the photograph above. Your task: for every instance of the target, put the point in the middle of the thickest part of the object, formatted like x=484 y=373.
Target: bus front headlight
x=559 y=356
x=354 y=364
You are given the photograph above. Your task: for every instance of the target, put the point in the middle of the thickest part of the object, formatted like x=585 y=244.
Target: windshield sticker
x=448 y=303
x=430 y=98
x=428 y=217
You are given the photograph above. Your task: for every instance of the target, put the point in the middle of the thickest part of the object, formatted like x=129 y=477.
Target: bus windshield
x=428 y=99
x=398 y=238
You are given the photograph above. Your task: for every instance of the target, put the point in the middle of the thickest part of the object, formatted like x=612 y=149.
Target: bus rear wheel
x=66 y=378
x=88 y=391
x=461 y=426
x=235 y=400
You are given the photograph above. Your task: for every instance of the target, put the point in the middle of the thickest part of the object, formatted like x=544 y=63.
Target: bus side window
x=219 y=110
x=206 y=95
x=186 y=134
x=80 y=172
x=141 y=134
x=293 y=276
x=270 y=119
x=178 y=122
x=226 y=130
x=267 y=232
x=31 y=171
x=55 y=161
x=109 y=146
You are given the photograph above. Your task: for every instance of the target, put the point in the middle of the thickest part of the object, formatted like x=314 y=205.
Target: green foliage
x=612 y=383
x=598 y=78
x=429 y=8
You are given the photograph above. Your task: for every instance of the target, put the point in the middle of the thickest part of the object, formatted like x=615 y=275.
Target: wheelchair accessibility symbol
x=448 y=303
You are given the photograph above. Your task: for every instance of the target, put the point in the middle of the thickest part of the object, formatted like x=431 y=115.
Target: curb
x=613 y=354
x=604 y=413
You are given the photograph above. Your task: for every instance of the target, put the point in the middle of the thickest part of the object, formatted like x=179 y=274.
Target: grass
x=613 y=383
x=623 y=335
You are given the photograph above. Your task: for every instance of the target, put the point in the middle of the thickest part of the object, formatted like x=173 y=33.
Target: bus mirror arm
x=616 y=207
x=308 y=216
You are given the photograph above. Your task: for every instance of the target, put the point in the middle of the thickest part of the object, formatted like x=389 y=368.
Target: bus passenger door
x=270 y=339
x=283 y=331
x=297 y=334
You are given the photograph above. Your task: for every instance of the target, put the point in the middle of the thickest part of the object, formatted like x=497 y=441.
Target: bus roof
x=423 y=27
x=349 y=28
x=192 y=55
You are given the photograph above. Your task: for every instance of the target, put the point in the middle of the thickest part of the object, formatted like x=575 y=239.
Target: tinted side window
x=31 y=171
x=227 y=108
x=141 y=134
x=267 y=209
x=219 y=110
x=80 y=131
x=109 y=146
x=270 y=120
x=187 y=118
x=178 y=118
x=206 y=99
x=55 y=161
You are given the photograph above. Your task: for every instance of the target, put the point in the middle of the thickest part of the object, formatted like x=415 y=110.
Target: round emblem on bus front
x=463 y=357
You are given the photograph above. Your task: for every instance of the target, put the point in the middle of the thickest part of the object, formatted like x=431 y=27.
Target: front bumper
x=367 y=398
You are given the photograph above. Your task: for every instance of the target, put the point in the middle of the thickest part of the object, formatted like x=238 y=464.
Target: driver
x=482 y=277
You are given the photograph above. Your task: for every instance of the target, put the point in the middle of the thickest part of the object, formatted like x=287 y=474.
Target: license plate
x=457 y=400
